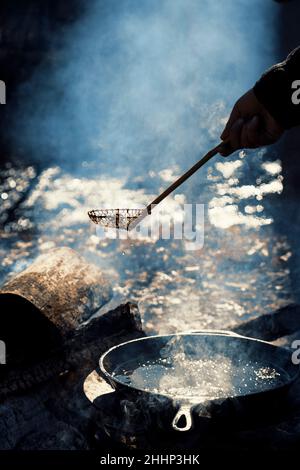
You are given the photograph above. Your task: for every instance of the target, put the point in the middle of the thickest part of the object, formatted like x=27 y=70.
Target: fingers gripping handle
x=225 y=149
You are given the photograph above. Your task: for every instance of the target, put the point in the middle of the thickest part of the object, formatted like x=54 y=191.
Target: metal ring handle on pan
x=184 y=413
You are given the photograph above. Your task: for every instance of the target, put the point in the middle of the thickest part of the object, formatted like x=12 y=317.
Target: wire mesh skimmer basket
x=115 y=218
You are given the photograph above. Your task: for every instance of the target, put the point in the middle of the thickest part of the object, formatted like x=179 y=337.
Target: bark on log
x=62 y=286
x=44 y=305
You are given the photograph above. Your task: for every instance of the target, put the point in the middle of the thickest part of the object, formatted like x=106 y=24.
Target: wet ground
x=245 y=267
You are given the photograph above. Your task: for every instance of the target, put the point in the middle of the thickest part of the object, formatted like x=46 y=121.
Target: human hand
x=250 y=125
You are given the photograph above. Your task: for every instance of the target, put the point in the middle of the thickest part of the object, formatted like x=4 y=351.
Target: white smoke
x=139 y=83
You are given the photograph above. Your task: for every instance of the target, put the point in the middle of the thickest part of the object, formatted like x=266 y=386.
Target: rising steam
x=142 y=83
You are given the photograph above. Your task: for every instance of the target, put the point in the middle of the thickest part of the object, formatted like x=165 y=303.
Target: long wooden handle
x=175 y=185
x=184 y=177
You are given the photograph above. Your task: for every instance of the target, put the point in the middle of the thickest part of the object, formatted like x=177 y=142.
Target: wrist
x=273 y=91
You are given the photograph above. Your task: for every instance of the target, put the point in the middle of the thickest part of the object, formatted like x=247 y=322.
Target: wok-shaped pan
x=224 y=364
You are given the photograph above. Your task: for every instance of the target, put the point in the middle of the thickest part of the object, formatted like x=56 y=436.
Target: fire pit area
x=101 y=384
x=90 y=407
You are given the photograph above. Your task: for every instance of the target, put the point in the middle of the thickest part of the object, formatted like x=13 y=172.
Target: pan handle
x=184 y=414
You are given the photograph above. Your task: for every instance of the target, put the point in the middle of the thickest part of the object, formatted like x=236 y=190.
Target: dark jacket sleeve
x=274 y=90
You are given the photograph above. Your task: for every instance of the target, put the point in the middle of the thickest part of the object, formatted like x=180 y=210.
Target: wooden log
x=47 y=302
x=62 y=286
x=281 y=322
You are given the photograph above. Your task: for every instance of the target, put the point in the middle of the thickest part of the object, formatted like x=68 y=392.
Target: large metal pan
x=120 y=362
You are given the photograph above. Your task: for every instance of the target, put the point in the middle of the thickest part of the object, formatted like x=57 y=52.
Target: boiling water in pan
x=204 y=378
